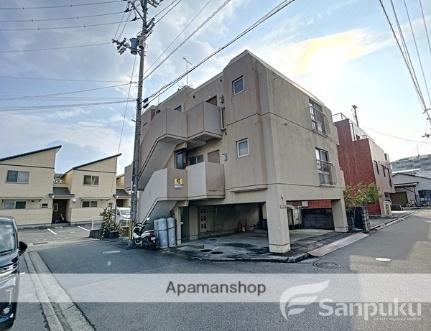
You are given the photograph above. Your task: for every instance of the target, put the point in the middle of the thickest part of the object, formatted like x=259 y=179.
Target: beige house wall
x=102 y=193
x=36 y=192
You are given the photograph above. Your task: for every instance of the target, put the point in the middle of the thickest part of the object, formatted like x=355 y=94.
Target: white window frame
x=233 y=85
x=18 y=180
x=238 y=149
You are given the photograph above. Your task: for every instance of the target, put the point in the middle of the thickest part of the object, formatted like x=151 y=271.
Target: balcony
x=203 y=122
x=165 y=131
x=326 y=172
x=205 y=181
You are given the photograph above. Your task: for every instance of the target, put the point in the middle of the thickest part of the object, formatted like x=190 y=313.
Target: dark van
x=10 y=251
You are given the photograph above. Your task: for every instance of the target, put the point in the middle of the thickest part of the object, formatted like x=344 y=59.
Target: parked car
x=123 y=216
x=10 y=251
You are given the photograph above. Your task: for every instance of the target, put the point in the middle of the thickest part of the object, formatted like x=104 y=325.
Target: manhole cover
x=205 y=250
x=216 y=252
x=326 y=265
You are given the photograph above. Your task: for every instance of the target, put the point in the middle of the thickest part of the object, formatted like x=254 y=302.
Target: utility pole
x=355 y=114
x=137 y=46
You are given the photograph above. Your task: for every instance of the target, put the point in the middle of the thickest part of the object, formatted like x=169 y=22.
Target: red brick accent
x=313 y=204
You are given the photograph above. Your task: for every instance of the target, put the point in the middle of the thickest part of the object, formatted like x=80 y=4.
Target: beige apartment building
x=33 y=194
x=248 y=149
x=122 y=195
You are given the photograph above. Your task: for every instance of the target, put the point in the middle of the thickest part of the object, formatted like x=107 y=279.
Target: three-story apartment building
x=363 y=161
x=249 y=148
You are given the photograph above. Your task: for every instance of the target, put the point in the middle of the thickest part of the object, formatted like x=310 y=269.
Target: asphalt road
x=407 y=245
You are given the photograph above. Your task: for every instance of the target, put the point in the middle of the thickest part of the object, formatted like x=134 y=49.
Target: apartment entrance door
x=203 y=220
x=59 y=209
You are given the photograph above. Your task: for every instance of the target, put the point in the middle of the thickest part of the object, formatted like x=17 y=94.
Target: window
x=324 y=167
x=238 y=85
x=91 y=180
x=196 y=159
x=180 y=160
x=242 y=147
x=13 y=204
x=44 y=205
x=20 y=177
x=179 y=108
x=317 y=118
x=377 y=167
x=89 y=204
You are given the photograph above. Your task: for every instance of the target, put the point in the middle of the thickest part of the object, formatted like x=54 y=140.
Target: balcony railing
x=326 y=173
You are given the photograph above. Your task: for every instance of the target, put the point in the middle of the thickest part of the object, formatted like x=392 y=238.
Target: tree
x=361 y=195
x=108 y=223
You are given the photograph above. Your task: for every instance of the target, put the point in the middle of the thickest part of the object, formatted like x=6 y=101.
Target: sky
x=341 y=51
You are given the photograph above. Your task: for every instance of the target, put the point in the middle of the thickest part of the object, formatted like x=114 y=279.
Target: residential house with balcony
x=85 y=190
x=248 y=148
x=363 y=161
x=122 y=195
x=26 y=186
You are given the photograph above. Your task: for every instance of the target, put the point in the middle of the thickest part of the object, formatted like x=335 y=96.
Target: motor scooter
x=144 y=238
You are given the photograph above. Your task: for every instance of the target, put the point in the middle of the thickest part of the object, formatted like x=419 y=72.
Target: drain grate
x=327 y=265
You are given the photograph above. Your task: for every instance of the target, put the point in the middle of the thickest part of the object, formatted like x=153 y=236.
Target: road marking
x=383 y=259
x=52 y=232
x=111 y=252
x=428 y=221
x=82 y=228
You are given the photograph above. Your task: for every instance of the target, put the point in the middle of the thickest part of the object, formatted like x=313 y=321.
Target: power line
x=61 y=79
x=208 y=19
x=52 y=48
x=168 y=11
x=417 y=52
x=180 y=33
x=62 y=27
x=264 y=18
x=417 y=88
x=31 y=20
x=165 y=8
x=391 y=136
x=47 y=107
x=61 y=93
x=425 y=25
x=62 y=6
x=407 y=53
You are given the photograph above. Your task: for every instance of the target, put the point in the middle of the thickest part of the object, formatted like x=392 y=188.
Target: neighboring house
x=247 y=149
x=363 y=161
x=411 y=190
x=122 y=195
x=85 y=191
x=26 y=186
x=416 y=163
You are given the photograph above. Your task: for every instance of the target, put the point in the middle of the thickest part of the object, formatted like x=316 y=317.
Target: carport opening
x=317 y=218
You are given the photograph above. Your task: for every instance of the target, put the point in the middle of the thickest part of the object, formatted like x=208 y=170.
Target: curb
x=392 y=222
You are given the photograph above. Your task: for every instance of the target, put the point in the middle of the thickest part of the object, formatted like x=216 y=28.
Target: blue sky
x=342 y=51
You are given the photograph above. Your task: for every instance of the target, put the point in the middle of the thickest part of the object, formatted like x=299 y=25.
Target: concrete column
x=193 y=223
x=278 y=225
x=339 y=216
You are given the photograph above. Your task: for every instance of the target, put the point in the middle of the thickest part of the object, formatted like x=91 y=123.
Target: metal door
x=203 y=218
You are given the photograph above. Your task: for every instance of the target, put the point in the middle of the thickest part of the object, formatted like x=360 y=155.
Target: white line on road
x=54 y=233
x=82 y=228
